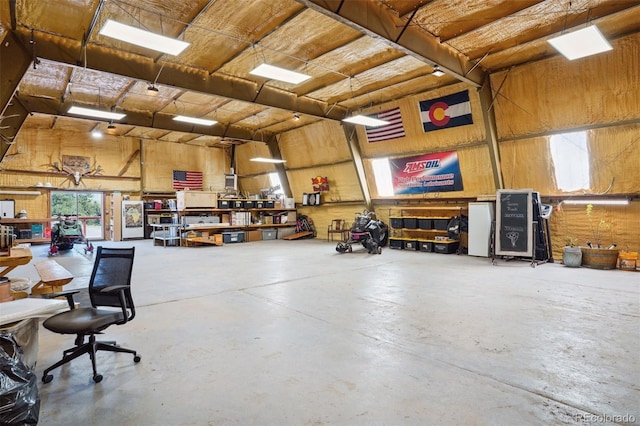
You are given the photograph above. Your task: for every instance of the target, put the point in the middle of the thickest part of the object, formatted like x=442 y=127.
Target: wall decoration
x=187 y=180
x=393 y=130
x=448 y=111
x=76 y=167
x=439 y=172
x=320 y=183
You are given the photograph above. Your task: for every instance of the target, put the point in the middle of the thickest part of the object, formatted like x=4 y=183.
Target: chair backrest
x=112 y=267
x=337 y=224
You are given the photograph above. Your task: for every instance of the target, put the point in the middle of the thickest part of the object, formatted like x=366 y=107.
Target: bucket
x=572 y=257
x=628 y=260
x=599 y=258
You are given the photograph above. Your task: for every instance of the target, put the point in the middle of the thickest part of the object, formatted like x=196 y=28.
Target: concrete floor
x=293 y=333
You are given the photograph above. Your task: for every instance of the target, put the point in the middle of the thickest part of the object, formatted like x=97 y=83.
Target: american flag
x=187 y=180
x=393 y=130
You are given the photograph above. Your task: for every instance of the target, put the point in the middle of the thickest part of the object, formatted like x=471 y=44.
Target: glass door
x=87 y=207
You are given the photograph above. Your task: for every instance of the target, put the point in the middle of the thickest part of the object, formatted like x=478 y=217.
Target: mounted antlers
x=76 y=167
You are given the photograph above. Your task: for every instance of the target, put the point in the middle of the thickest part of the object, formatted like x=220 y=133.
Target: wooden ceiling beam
x=99 y=58
x=141 y=119
x=375 y=20
x=14 y=63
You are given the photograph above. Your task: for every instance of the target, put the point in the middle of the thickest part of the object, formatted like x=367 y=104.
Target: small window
x=382 y=176
x=570 y=154
x=274 y=179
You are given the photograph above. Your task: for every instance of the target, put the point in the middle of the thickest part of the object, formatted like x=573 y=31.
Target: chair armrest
x=113 y=288
x=122 y=290
x=67 y=293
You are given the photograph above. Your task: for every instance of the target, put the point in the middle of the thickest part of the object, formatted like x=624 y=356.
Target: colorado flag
x=447 y=111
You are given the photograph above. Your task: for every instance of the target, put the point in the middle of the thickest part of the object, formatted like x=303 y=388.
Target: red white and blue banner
x=448 y=111
x=393 y=130
x=439 y=172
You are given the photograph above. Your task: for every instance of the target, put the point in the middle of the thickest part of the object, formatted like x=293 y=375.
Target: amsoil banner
x=439 y=172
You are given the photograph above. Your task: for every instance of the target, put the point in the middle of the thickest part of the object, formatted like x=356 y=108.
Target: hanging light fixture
x=268 y=160
x=437 y=72
x=95 y=113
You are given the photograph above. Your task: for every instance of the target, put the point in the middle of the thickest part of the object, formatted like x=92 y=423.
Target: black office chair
x=110 y=286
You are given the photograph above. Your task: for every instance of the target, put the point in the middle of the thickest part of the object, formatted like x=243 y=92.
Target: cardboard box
x=196 y=199
x=253 y=235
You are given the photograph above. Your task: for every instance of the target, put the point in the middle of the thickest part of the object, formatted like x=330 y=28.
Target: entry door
x=86 y=206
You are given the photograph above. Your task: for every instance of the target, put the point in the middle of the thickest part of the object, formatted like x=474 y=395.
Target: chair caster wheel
x=97 y=378
x=47 y=378
x=137 y=358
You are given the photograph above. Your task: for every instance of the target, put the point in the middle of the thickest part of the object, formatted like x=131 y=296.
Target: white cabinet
x=481 y=216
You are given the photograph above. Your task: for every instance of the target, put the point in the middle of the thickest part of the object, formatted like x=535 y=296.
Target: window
x=86 y=206
x=570 y=155
x=382 y=176
x=274 y=179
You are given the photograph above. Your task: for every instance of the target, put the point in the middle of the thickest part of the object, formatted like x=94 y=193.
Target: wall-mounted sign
x=439 y=172
x=320 y=183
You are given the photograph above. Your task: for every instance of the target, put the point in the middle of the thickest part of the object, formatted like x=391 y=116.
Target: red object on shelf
x=47 y=232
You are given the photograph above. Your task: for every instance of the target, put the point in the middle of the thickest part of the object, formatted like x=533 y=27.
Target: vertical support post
x=489 y=118
x=354 y=146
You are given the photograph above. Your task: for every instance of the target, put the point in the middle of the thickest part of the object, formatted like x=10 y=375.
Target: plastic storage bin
x=269 y=234
x=233 y=237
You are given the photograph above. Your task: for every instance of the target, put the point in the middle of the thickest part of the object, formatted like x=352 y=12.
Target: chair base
x=91 y=348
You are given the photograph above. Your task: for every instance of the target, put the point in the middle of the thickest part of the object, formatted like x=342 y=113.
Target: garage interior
x=293 y=332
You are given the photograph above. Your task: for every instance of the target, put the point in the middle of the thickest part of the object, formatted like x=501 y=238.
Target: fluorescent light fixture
x=280 y=74
x=143 y=38
x=437 y=72
x=601 y=201
x=578 y=44
x=95 y=113
x=365 y=121
x=267 y=160
x=194 y=120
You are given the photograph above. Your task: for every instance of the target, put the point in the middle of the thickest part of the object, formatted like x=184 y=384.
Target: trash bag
x=19 y=397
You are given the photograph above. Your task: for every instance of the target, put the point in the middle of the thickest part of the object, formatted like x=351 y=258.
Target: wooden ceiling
x=359 y=53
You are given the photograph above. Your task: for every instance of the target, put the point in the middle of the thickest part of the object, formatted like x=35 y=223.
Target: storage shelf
x=418 y=235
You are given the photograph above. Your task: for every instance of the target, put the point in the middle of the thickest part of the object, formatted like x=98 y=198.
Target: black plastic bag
x=19 y=397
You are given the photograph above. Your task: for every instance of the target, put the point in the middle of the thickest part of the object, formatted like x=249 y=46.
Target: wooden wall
x=129 y=165
x=599 y=94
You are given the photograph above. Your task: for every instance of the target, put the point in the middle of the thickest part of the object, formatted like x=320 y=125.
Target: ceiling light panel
x=193 y=120
x=267 y=160
x=95 y=113
x=143 y=38
x=365 y=121
x=578 y=44
x=280 y=74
